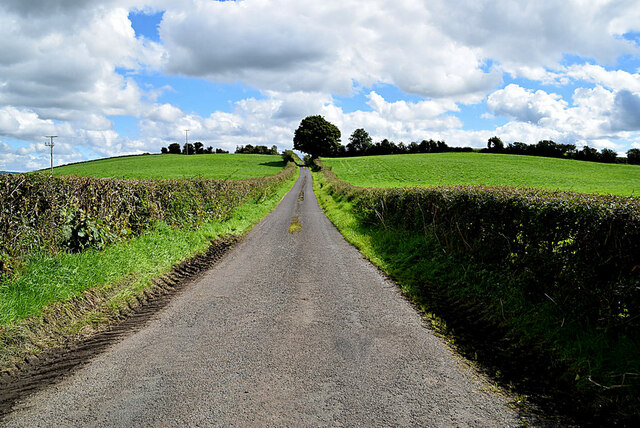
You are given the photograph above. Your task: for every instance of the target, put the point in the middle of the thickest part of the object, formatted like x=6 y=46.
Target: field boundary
x=474 y=296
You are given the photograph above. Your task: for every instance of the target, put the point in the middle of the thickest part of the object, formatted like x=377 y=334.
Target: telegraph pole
x=186 y=140
x=50 y=144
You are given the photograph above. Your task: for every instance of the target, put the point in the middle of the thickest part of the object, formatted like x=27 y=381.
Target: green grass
x=221 y=166
x=52 y=278
x=487 y=169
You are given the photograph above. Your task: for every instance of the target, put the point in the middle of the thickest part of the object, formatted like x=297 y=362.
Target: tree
x=164 y=151
x=220 y=151
x=495 y=144
x=317 y=137
x=359 y=142
x=608 y=156
x=174 y=148
x=588 y=154
x=187 y=149
x=633 y=156
x=199 y=147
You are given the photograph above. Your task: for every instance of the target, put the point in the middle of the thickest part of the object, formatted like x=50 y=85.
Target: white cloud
x=62 y=79
x=525 y=105
x=286 y=45
x=539 y=33
x=596 y=117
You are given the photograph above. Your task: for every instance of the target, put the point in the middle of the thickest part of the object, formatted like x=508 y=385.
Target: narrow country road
x=291 y=328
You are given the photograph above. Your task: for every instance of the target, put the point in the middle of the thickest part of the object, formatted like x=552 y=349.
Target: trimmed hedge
x=581 y=251
x=39 y=212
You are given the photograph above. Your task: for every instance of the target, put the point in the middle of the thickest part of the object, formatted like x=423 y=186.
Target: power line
x=50 y=144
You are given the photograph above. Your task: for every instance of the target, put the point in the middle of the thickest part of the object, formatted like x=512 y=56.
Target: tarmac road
x=291 y=328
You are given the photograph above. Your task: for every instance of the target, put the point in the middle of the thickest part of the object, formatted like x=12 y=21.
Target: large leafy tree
x=317 y=137
x=359 y=142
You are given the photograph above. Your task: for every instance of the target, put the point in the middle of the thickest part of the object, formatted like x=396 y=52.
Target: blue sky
x=128 y=76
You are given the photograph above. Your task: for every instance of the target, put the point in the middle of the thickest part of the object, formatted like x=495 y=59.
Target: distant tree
x=608 y=156
x=359 y=142
x=517 y=148
x=633 y=156
x=414 y=147
x=198 y=147
x=317 y=137
x=220 y=151
x=164 y=151
x=187 y=149
x=208 y=150
x=174 y=148
x=495 y=144
x=588 y=154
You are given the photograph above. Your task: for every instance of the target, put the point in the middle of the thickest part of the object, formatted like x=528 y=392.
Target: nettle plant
x=81 y=231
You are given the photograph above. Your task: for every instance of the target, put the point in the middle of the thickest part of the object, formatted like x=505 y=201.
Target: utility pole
x=186 y=140
x=50 y=144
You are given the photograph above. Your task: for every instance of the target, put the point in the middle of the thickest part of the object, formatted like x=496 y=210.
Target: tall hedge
x=39 y=212
x=582 y=251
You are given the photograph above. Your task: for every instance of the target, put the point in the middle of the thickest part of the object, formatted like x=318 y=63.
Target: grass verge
x=51 y=288
x=489 y=319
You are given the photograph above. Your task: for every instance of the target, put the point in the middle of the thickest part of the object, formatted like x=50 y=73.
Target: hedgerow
x=582 y=251
x=557 y=273
x=43 y=213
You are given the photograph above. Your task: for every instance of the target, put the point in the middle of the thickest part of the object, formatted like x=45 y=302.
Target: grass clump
x=442 y=169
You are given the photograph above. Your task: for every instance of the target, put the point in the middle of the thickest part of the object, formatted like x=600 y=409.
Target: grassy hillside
x=487 y=169
x=220 y=166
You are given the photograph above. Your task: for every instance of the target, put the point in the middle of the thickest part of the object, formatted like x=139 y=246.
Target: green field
x=221 y=166
x=487 y=169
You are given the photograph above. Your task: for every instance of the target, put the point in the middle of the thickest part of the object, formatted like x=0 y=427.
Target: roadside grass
x=122 y=271
x=218 y=166
x=488 y=169
x=489 y=318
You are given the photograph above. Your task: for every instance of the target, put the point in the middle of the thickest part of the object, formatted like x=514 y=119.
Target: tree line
x=318 y=137
x=196 y=148
x=551 y=149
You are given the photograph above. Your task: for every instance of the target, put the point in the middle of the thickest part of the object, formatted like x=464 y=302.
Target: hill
x=487 y=169
x=220 y=166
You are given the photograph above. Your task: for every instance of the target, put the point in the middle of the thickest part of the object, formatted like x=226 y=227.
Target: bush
x=288 y=156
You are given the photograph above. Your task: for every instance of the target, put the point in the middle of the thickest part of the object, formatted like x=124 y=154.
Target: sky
x=115 y=77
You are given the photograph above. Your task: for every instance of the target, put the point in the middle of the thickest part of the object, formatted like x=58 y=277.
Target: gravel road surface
x=291 y=328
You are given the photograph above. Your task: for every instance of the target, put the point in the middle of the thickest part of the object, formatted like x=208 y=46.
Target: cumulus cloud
x=626 y=111
x=67 y=79
x=539 y=33
x=284 y=45
x=525 y=105
x=597 y=116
